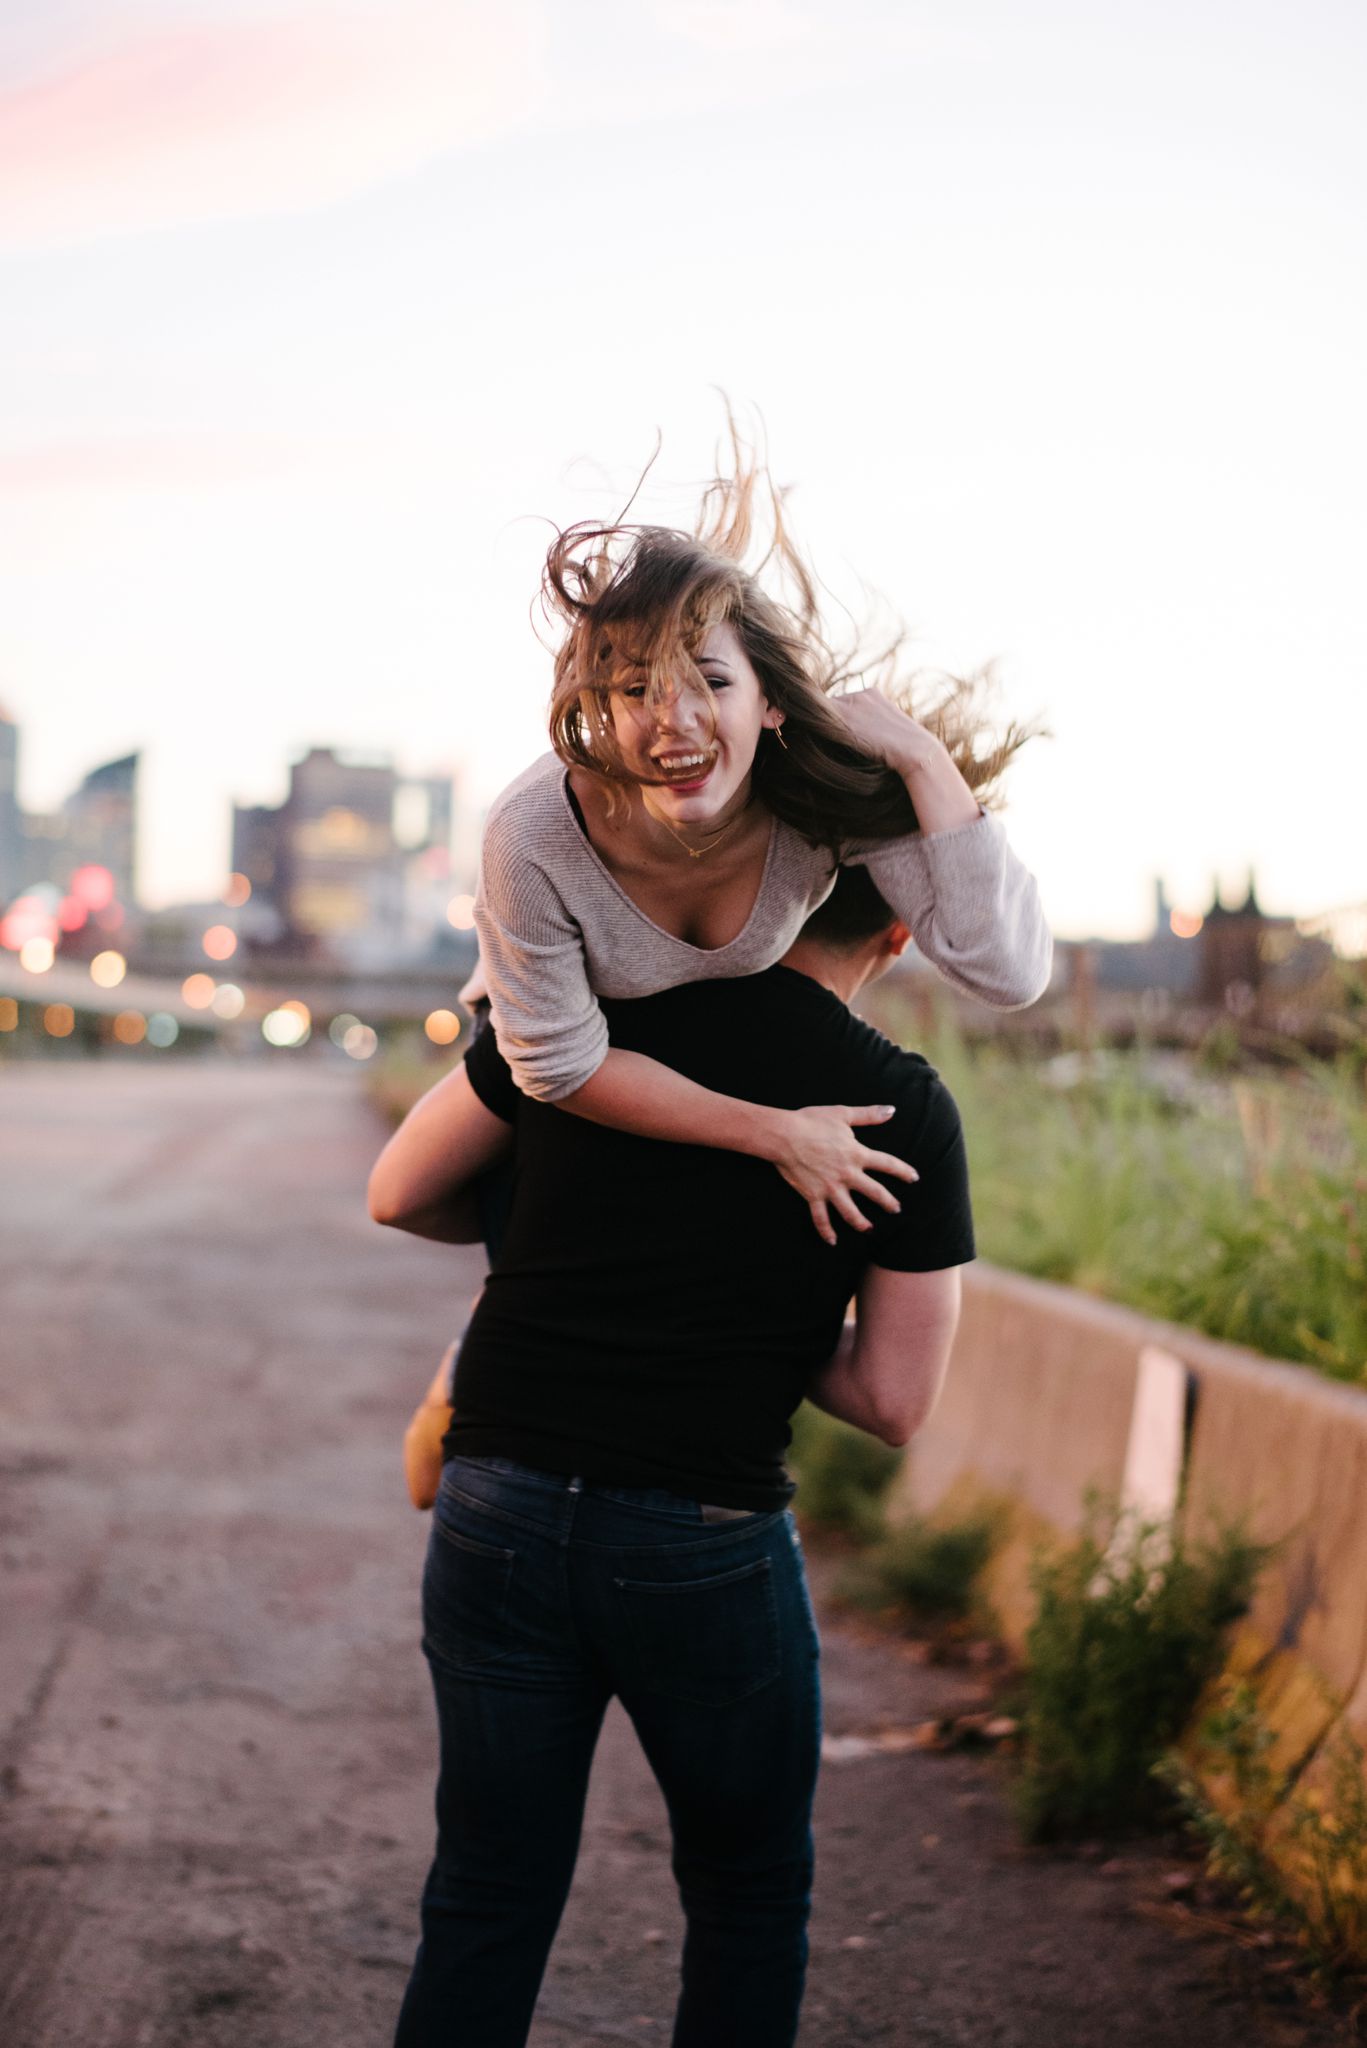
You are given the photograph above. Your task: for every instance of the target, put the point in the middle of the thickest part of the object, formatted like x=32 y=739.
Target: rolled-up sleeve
x=972 y=907
x=550 y=1028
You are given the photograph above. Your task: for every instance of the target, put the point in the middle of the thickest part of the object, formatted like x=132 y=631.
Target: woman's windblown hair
x=634 y=602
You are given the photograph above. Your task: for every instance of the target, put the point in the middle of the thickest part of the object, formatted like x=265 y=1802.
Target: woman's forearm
x=815 y=1149
x=631 y=1092
x=942 y=799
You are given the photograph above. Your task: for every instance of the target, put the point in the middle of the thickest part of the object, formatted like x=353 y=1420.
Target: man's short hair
x=853 y=912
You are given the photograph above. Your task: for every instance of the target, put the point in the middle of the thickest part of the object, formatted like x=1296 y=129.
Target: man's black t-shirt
x=655 y=1310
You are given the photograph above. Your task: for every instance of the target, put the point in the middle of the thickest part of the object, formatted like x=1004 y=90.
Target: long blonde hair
x=635 y=601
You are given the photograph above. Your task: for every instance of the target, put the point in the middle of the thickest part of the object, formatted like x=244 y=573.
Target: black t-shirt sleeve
x=935 y=1228
x=491 y=1077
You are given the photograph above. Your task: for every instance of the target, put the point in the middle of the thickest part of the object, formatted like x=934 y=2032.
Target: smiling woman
x=708 y=779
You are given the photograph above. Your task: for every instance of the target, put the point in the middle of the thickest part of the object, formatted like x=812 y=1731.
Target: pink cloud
x=242 y=116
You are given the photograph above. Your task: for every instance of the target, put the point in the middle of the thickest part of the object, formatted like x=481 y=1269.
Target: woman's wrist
x=762 y=1132
x=942 y=798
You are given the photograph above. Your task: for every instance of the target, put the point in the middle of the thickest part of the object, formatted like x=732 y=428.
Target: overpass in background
x=377 y=1000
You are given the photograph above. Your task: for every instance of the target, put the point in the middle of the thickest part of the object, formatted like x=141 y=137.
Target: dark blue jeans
x=542 y=1598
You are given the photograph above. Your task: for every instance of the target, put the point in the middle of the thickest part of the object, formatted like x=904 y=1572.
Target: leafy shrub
x=1297 y=1857
x=842 y=1475
x=932 y=1570
x=1130 y=1627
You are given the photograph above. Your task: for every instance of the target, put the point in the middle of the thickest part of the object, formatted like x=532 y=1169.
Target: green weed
x=932 y=1571
x=1129 y=1628
x=842 y=1474
x=1298 y=1857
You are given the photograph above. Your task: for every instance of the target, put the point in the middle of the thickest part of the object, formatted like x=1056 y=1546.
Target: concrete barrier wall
x=1037 y=1408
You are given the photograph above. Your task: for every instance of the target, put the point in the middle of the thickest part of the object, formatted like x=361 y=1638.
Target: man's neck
x=844 y=974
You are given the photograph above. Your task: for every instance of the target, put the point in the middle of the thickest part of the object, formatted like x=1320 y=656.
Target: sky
x=318 y=316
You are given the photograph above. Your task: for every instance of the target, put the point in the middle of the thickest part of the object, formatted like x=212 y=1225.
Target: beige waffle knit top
x=556 y=930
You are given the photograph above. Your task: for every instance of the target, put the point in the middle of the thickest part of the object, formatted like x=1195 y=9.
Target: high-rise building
x=334 y=859
x=102 y=824
x=11 y=824
x=97 y=826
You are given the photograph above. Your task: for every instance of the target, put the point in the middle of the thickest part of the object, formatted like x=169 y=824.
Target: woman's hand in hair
x=823 y=1160
x=877 y=726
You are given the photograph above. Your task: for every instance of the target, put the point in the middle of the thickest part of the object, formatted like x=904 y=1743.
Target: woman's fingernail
x=885 y=1110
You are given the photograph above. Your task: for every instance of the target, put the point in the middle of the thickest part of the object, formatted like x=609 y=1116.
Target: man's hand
x=422 y=1438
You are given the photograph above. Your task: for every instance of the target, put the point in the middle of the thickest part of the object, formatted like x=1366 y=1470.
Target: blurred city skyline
x=319 y=313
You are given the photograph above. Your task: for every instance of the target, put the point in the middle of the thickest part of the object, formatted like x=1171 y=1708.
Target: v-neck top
x=557 y=929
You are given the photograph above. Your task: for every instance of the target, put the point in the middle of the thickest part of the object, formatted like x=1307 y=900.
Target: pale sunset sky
x=1056 y=315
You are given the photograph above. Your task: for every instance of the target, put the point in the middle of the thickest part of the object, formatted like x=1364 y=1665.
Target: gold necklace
x=697 y=852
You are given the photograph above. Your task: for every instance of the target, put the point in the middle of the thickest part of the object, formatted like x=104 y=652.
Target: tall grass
x=1237 y=1205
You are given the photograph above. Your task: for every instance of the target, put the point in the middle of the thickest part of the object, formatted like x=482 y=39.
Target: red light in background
x=27 y=918
x=72 y=913
x=93 y=886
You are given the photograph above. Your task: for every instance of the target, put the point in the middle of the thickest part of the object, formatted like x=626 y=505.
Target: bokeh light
x=72 y=913
x=220 y=942
x=93 y=886
x=28 y=917
x=229 y=1001
x=443 y=1027
x=360 y=1041
x=9 y=1014
x=37 y=955
x=237 y=892
x=198 y=990
x=340 y=1025
x=460 y=912
x=107 y=970
x=59 y=1020
x=162 y=1028
x=285 y=1026
x=130 y=1027
x=1186 y=923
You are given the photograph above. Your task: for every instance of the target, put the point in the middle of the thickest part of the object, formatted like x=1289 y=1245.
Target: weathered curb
x=1038 y=1408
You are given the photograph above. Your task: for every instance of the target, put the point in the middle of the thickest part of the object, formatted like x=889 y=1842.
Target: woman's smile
x=684 y=774
x=694 y=752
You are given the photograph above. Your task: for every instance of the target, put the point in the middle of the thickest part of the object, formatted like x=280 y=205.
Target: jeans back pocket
x=706 y=1641
x=465 y=1592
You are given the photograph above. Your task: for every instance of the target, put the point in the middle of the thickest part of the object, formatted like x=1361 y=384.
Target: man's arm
x=890 y=1363
x=421 y=1180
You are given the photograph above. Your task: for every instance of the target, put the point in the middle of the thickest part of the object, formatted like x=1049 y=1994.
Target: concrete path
x=216 y=1744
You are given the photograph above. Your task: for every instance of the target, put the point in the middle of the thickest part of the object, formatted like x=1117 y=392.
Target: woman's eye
x=717 y=682
x=635 y=691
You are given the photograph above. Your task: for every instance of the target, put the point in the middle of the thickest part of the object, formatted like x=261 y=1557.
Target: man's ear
x=896 y=939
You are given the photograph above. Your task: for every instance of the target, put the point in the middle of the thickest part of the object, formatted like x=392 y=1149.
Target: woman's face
x=696 y=756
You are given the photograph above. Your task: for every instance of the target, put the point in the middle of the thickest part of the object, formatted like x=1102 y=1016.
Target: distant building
x=97 y=826
x=337 y=860
x=1167 y=960
x=102 y=825
x=11 y=821
x=1233 y=958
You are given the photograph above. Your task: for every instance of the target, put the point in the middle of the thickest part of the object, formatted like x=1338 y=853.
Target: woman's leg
x=718 y=1668
x=519 y=1710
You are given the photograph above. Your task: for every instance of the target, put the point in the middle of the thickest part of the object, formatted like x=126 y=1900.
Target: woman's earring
x=777 y=731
